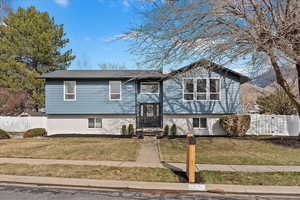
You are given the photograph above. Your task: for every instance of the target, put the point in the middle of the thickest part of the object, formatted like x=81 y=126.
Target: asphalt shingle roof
x=137 y=74
x=94 y=74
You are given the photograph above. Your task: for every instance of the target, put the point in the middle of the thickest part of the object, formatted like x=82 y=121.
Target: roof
x=139 y=74
x=212 y=67
x=101 y=74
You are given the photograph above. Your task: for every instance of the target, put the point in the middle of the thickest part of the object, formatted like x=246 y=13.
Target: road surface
x=21 y=192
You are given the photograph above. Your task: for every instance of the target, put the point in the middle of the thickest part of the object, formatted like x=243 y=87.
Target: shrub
x=124 y=130
x=235 y=125
x=4 y=134
x=173 y=130
x=36 y=132
x=166 y=130
x=130 y=130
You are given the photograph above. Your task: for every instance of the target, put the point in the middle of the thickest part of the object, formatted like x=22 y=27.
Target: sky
x=91 y=26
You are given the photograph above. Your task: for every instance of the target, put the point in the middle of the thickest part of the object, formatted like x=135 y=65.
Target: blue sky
x=90 y=25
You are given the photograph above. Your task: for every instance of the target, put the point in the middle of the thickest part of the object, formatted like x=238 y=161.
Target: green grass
x=71 y=148
x=148 y=174
x=235 y=151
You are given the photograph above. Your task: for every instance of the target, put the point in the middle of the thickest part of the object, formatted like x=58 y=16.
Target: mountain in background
x=264 y=85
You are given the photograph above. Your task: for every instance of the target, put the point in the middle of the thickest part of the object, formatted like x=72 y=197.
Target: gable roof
x=139 y=74
x=211 y=66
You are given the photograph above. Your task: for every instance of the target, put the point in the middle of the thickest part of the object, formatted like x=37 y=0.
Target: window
x=115 y=90
x=150 y=88
x=214 y=89
x=188 y=89
x=201 y=89
x=95 y=123
x=69 y=90
x=200 y=123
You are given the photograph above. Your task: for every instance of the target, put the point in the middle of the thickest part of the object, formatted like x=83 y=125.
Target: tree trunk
x=283 y=83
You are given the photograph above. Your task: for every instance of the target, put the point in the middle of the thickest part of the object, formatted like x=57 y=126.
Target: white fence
x=276 y=125
x=21 y=124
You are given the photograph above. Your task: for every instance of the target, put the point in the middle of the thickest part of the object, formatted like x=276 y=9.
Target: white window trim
x=209 y=93
x=207 y=89
x=183 y=87
x=200 y=128
x=109 y=91
x=70 y=93
x=150 y=82
x=94 y=118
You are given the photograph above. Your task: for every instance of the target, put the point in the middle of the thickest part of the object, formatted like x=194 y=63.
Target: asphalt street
x=13 y=192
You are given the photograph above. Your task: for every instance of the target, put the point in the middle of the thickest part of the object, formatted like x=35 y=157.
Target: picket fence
x=21 y=124
x=275 y=125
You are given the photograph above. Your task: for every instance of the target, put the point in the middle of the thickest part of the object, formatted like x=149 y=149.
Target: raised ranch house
x=101 y=101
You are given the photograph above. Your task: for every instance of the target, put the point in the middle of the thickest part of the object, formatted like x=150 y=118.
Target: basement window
x=200 y=123
x=95 y=123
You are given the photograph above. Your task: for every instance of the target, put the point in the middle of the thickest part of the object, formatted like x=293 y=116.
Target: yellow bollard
x=191 y=158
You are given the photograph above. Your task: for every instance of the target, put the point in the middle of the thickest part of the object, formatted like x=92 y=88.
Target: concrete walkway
x=149 y=152
x=92 y=183
x=174 y=166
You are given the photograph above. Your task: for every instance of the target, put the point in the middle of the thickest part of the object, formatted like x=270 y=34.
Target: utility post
x=191 y=158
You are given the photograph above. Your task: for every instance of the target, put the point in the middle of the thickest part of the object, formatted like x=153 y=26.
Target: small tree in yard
x=130 y=130
x=277 y=103
x=124 y=130
x=166 y=130
x=235 y=125
x=173 y=131
x=256 y=33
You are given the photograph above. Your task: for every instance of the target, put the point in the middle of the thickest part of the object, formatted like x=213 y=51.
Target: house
x=101 y=101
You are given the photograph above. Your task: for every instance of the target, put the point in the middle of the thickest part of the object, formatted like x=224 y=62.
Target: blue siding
x=173 y=102
x=148 y=98
x=92 y=97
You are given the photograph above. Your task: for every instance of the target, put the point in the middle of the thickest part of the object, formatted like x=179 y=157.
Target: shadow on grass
x=182 y=174
x=290 y=142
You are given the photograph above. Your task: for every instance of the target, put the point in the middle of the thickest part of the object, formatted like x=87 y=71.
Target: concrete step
x=150 y=131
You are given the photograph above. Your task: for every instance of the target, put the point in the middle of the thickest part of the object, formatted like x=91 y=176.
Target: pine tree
x=31 y=44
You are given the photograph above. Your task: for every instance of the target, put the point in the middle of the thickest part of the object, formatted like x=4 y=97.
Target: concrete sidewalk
x=173 y=166
x=91 y=183
x=148 y=152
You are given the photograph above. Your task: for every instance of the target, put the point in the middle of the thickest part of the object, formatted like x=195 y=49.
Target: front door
x=149 y=115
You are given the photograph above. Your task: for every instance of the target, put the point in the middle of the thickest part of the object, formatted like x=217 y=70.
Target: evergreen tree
x=31 y=44
x=277 y=103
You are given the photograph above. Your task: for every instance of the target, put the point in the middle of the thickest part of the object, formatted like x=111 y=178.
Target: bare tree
x=259 y=33
x=112 y=66
x=4 y=8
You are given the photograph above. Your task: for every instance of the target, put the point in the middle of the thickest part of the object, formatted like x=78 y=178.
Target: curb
x=137 y=185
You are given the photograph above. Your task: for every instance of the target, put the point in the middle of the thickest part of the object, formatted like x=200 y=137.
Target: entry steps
x=150 y=131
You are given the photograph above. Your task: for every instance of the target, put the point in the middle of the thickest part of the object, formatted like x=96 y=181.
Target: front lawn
x=71 y=148
x=149 y=174
x=235 y=151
